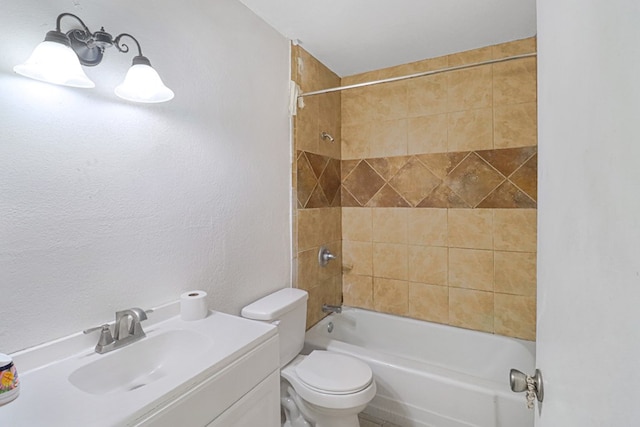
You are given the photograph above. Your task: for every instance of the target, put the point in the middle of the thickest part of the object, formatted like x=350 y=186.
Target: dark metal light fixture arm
x=62 y=15
x=123 y=47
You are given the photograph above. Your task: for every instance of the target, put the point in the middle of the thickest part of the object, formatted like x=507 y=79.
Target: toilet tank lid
x=274 y=305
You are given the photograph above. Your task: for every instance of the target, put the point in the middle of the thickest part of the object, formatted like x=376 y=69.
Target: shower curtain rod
x=413 y=76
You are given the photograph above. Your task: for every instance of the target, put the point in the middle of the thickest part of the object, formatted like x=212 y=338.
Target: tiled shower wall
x=439 y=192
x=316 y=169
x=437 y=186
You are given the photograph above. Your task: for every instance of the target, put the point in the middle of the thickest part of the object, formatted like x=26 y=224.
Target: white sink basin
x=140 y=363
x=66 y=383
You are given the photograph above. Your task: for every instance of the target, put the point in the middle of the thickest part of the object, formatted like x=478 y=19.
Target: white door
x=589 y=212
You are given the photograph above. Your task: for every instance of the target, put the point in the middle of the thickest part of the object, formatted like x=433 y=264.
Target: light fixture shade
x=53 y=62
x=143 y=84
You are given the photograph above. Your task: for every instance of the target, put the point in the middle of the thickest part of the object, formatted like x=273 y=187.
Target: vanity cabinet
x=245 y=393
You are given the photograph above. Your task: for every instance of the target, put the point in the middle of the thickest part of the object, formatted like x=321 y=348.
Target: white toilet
x=323 y=389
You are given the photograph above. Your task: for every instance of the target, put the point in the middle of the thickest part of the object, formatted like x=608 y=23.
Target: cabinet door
x=259 y=407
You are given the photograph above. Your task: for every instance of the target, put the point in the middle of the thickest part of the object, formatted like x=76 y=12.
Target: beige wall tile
x=306 y=126
x=470 y=89
x=391 y=296
x=515 y=273
x=517 y=47
x=355 y=141
x=514 y=82
x=515 y=125
x=470 y=56
x=471 y=309
x=515 y=316
x=332 y=290
x=356 y=106
x=387 y=101
x=470 y=130
x=389 y=138
x=427 y=95
x=314 y=306
x=390 y=225
x=471 y=269
x=427 y=134
x=449 y=112
x=308 y=233
x=318 y=226
x=359 y=256
x=428 y=264
x=357 y=291
x=308 y=274
x=427 y=227
x=357 y=224
x=390 y=261
x=515 y=230
x=331 y=224
x=470 y=228
x=429 y=302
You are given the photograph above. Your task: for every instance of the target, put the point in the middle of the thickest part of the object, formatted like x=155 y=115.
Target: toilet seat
x=333 y=373
x=312 y=394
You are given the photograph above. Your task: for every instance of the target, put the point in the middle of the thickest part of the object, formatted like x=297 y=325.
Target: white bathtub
x=431 y=375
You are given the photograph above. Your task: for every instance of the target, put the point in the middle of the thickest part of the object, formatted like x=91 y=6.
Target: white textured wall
x=106 y=204
x=589 y=212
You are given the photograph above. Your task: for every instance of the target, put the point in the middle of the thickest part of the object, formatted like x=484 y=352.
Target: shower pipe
x=413 y=76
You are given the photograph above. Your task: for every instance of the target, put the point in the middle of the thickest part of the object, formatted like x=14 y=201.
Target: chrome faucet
x=126 y=330
x=326 y=308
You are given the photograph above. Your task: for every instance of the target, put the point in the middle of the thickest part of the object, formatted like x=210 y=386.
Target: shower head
x=326 y=137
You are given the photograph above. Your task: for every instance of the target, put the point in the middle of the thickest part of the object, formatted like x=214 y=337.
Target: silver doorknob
x=518 y=383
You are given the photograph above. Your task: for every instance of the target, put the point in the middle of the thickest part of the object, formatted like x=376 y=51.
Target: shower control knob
x=324 y=256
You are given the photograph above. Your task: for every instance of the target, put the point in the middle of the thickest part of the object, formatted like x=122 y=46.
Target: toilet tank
x=286 y=308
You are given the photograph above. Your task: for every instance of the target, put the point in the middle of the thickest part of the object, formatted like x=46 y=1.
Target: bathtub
x=431 y=375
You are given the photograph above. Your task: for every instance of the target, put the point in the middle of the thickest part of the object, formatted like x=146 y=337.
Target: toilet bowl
x=322 y=389
x=329 y=389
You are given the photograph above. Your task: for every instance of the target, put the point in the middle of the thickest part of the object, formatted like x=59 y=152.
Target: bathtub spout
x=326 y=308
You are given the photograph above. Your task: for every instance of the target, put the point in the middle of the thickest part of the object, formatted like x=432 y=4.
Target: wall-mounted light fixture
x=59 y=57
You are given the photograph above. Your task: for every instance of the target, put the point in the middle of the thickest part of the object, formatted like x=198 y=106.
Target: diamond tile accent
x=443 y=163
x=330 y=179
x=526 y=178
x=506 y=161
x=414 y=181
x=306 y=179
x=347 y=200
x=507 y=195
x=363 y=183
x=317 y=199
x=388 y=197
x=443 y=197
x=473 y=179
x=347 y=166
x=318 y=163
x=501 y=178
x=388 y=167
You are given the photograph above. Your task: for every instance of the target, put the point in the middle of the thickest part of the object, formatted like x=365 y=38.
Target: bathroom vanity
x=219 y=371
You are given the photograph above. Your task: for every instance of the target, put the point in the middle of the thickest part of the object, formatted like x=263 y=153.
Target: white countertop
x=48 y=398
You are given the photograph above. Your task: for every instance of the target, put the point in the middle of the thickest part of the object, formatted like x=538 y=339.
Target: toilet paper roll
x=193 y=305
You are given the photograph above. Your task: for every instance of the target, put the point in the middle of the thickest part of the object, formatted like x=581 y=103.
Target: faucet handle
x=105 y=337
x=95 y=328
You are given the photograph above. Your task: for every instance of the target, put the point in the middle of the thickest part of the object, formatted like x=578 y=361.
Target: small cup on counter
x=9 y=384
